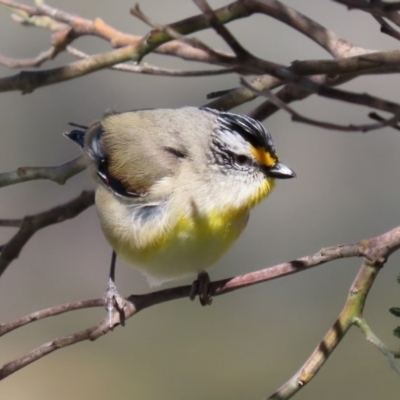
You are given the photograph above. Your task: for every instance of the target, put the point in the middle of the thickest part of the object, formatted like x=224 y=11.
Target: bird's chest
x=212 y=234
x=199 y=240
x=191 y=246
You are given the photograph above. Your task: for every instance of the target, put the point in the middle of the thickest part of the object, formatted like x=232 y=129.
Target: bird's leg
x=201 y=287
x=113 y=301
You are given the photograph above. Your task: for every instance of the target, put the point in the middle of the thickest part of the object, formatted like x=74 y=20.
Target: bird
x=175 y=187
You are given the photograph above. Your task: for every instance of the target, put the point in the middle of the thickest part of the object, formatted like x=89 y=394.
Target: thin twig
x=372 y=338
x=376 y=7
x=31 y=224
x=375 y=116
x=28 y=62
x=386 y=28
x=240 y=52
x=148 y=69
x=59 y=174
x=297 y=117
x=11 y=223
x=49 y=312
x=335 y=45
x=174 y=34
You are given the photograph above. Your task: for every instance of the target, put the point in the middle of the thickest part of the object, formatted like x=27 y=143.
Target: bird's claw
x=114 y=303
x=201 y=287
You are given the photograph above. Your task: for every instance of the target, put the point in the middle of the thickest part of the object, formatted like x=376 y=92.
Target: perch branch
x=375 y=251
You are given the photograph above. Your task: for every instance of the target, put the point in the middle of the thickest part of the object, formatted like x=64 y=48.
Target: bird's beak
x=281 y=171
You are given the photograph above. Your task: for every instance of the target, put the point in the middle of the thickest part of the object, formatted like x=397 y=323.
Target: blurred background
x=251 y=341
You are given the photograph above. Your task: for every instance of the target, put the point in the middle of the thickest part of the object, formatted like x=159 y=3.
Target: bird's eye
x=241 y=159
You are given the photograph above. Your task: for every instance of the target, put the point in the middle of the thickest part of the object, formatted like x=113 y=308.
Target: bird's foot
x=201 y=287
x=114 y=303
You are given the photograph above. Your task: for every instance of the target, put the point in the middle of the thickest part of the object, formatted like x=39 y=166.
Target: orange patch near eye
x=264 y=157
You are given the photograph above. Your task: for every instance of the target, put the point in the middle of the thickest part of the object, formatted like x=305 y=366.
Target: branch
x=375 y=251
x=31 y=224
x=351 y=314
x=285 y=74
x=135 y=49
x=219 y=57
x=241 y=95
x=378 y=62
x=322 y=124
x=335 y=45
x=152 y=70
x=49 y=312
x=375 y=7
x=387 y=29
x=59 y=174
x=28 y=81
x=377 y=117
x=28 y=62
x=330 y=341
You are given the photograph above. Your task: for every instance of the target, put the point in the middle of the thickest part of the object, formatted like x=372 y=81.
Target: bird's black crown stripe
x=250 y=129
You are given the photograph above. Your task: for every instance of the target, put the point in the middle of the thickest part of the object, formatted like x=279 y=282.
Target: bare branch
x=351 y=314
x=376 y=7
x=240 y=52
x=336 y=46
x=375 y=250
x=375 y=116
x=29 y=81
x=322 y=124
x=59 y=174
x=285 y=74
x=173 y=34
x=387 y=29
x=28 y=62
x=80 y=26
x=31 y=224
x=11 y=223
x=49 y=312
x=137 y=47
x=241 y=95
x=379 y=62
x=148 y=69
